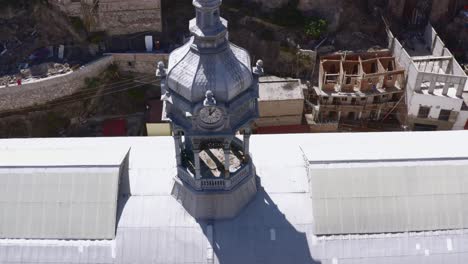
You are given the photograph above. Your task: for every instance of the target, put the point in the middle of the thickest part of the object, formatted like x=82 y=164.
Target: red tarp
x=115 y=128
x=293 y=129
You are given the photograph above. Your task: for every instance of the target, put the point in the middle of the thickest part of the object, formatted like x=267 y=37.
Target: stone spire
x=208 y=28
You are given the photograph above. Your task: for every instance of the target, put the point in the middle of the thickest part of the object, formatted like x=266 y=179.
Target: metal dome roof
x=209 y=61
x=226 y=72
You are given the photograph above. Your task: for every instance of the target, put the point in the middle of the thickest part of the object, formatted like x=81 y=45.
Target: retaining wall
x=48 y=89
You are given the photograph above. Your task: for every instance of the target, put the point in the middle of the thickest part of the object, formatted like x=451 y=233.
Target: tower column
x=178 y=151
x=196 y=157
x=227 y=158
x=247 y=134
x=227 y=162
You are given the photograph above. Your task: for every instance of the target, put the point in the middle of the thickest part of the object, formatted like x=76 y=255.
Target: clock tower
x=210 y=94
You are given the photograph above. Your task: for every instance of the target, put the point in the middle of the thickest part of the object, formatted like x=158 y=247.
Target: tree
x=316 y=27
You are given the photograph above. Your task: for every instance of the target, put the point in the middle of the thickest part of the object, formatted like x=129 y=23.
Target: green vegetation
x=112 y=72
x=315 y=28
x=55 y=122
x=77 y=23
x=92 y=83
x=96 y=38
x=138 y=94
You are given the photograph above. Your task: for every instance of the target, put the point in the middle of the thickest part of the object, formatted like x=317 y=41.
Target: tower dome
x=208 y=61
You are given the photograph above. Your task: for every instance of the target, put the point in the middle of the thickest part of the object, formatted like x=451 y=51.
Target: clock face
x=211 y=115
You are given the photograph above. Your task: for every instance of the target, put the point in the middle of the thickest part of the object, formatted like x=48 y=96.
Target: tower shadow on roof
x=124 y=191
x=260 y=234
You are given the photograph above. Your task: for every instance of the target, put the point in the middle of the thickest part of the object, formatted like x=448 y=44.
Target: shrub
x=316 y=27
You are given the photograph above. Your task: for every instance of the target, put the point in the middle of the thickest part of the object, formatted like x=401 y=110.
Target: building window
x=344 y=99
x=325 y=98
x=332 y=115
x=445 y=115
x=363 y=99
x=424 y=112
x=390 y=66
x=348 y=80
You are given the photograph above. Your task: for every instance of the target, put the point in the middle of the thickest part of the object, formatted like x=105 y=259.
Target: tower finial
x=208 y=28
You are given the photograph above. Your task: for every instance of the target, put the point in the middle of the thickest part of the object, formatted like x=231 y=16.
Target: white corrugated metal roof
x=56 y=155
x=154 y=228
x=376 y=146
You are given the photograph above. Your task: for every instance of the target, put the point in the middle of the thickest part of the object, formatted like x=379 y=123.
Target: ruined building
x=436 y=83
x=355 y=87
x=115 y=17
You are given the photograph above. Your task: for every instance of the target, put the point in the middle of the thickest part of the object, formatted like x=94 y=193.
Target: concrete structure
x=281 y=102
x=116 y=17
x=210 y=94
x=353 y=87
x=278 y=225
x=435 y=82
x=60 y=193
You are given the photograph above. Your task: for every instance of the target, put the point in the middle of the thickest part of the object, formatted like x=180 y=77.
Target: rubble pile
x=38 y=71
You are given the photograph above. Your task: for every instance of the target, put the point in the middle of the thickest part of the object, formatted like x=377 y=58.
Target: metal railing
x=215 y=183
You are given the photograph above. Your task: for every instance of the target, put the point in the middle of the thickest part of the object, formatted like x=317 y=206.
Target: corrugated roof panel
x=68 y=203
x=52 y=156
x=154 y=228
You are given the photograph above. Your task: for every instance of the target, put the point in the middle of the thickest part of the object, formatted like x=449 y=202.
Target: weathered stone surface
x=51 y=88
x=138 y=62
x=116 y=17
x=129 y=16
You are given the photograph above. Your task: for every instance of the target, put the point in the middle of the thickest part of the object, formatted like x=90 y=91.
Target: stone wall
x=49 y=89
x=118 y=17
x=115 y=17
x=144 y=63
x=46 y=90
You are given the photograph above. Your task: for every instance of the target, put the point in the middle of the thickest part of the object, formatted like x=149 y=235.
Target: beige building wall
x=281 y=102
x=279 y=121
x=281 y=108
x=158 y=130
